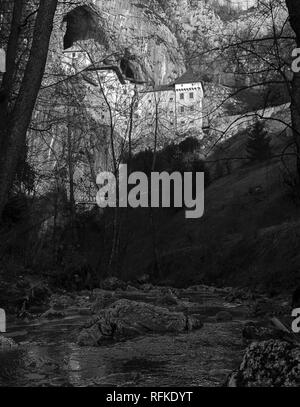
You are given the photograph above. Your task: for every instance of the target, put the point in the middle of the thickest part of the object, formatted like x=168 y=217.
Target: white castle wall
x=176 y=111
x=235 y=4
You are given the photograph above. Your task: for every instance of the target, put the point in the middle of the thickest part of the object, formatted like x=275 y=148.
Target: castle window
x=182 y=109
x=192 y=108
x=182 y=122
x=191 y=95
x=171 y=99
x=181 y=96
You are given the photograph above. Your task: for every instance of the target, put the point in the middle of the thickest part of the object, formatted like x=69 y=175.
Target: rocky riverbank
x=142 y=334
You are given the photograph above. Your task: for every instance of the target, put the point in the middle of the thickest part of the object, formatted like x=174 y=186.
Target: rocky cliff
x=142 y=28
x=166 y=37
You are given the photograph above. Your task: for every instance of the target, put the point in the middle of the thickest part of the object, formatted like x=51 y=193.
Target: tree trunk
x=70 y=160
x=11 y=55
x=294 y=13
x=13 y=130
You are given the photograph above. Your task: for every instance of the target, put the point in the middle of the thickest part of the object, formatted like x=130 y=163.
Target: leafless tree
x=16 y=109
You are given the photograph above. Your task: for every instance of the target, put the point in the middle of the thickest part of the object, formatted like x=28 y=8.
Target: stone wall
x=234 y=4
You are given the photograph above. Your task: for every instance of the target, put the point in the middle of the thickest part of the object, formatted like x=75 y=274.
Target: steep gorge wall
x=164 y=35
x=141 y=27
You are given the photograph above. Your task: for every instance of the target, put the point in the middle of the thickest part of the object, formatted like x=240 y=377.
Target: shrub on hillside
x=189 y=145
x=170 y=159
x=258 y=145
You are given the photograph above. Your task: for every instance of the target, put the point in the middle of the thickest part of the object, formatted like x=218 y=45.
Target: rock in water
x=272 y=363
x=254 y=332
x=53 y=314
x=127 y=319
x=102 y=299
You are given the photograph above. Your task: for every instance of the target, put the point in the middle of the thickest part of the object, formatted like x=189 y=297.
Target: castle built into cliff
x=169 y=111
x=174 y=109
x=238 y=5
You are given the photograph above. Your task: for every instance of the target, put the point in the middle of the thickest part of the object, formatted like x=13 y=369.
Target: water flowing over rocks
x=148 y=336
x=126 y=319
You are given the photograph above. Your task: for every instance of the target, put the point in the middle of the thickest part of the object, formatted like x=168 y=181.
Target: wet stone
x=126 y=319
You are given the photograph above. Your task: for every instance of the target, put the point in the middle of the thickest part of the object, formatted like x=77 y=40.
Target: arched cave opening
x=83 y=23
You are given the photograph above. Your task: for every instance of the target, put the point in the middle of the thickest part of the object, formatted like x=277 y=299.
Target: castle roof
x=188 y=77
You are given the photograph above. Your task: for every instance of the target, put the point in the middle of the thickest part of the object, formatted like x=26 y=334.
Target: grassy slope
x=244 y=238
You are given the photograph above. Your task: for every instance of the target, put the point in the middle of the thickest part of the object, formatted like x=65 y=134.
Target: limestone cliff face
x=163 y=35
x=143 y=28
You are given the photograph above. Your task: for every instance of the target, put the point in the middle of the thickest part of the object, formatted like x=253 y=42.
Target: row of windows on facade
x=182 y=122
x=182 y=109
x=181 y=97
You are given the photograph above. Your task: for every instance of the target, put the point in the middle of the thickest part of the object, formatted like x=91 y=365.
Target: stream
x=49 y=356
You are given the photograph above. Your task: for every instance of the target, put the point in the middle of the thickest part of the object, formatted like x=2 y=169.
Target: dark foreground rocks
x=102 y=299
x=272 y=363
x=262 y=332
x=113 y=283
x=53 y=314
x=7 y=343
x=23 y=294
x=127 y=319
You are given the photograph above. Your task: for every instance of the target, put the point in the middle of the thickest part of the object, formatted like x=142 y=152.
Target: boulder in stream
x=127 y=319
x=167 y=298
x=53 y=314
x=272 y=363
x=258 y=332
x=102 y=299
